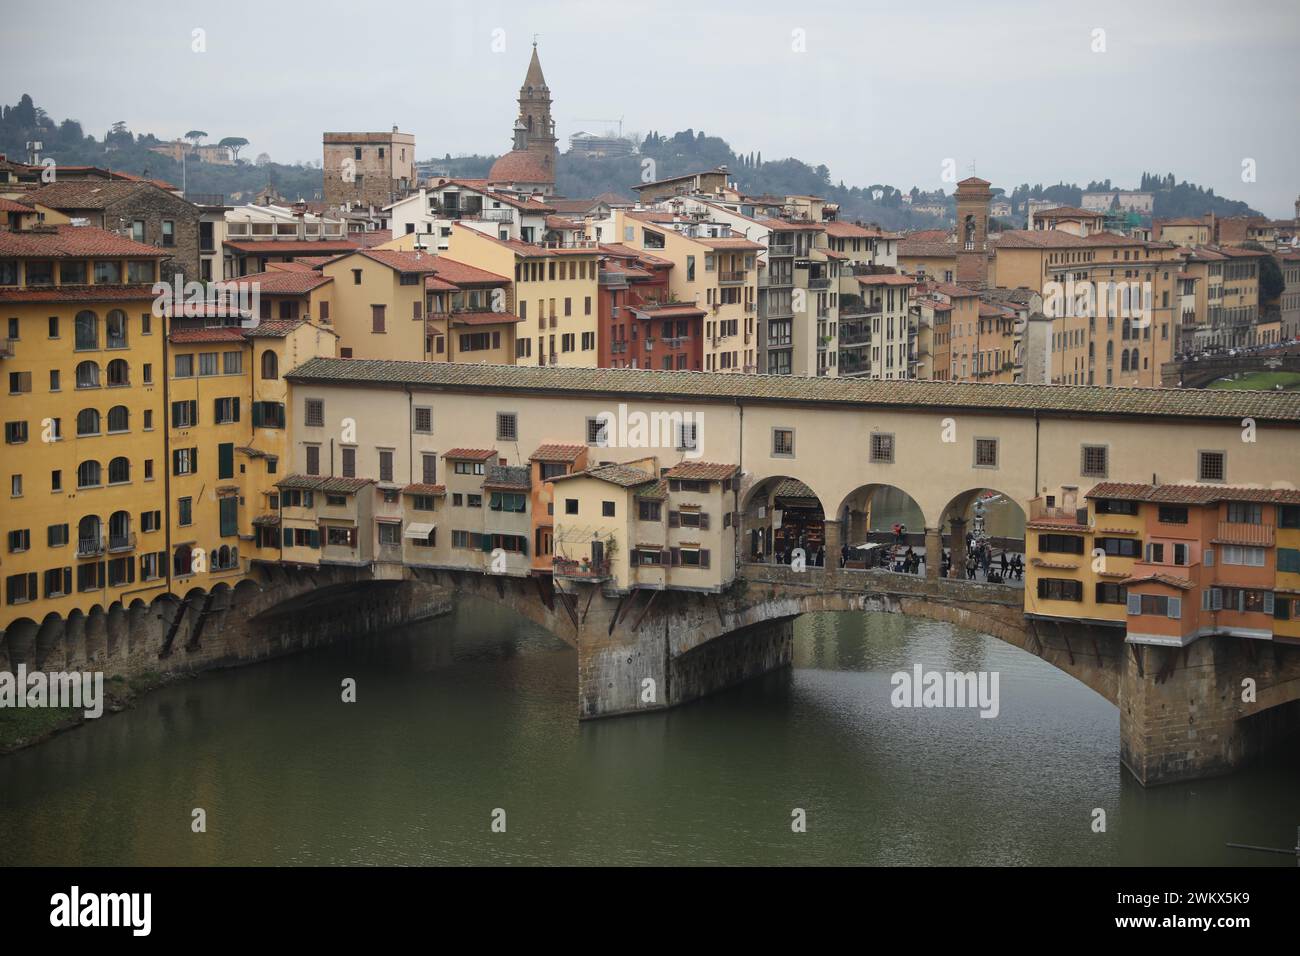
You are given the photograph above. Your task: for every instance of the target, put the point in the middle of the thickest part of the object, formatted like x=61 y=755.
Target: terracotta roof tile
x=465 y=454
x=63 y=242
x=558 y=452
x=1180 y=403
x=701 y=471
x=1192 y=494
x=420 y=488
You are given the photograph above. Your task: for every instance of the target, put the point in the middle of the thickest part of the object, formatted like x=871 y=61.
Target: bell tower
x=973 y=198
x=535 y=128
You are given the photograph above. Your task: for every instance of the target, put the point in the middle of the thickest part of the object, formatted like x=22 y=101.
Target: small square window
x=1093 y=461
x=986 y=452
x=1212 y=466
x=882 y=448
x=783 y=442
x=507 y=426
x=607 y=509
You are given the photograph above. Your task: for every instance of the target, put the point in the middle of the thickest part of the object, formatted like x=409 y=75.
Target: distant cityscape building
x=370 y=169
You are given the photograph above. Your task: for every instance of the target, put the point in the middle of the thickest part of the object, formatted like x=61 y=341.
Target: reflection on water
x=475 y=711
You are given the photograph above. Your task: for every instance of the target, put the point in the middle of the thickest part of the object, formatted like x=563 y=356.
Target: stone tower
x=535 y=112
x=531 y=162
x=973 y=198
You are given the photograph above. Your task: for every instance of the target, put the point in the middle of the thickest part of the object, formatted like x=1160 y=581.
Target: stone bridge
x=1182 y=713
x=1181 y=709
x=1200 y=373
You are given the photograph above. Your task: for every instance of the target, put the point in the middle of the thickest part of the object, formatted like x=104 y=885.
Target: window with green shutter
x=226 y=460
x=229 y=510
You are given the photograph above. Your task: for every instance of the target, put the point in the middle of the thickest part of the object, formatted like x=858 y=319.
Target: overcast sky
x=881 y=92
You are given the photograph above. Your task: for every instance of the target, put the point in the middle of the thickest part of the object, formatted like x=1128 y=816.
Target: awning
x=417 y=530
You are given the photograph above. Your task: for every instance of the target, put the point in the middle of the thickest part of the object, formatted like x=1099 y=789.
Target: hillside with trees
x=683 y=152
x=123 y=150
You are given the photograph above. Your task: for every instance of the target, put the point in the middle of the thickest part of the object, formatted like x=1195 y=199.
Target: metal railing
x=121 y=542
x=1251 y=535
x=86 y=547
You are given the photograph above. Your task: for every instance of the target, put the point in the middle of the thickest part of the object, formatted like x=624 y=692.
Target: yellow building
x=1286 y=608
x=554 y=293
x=84 y=459
x=1115 y=312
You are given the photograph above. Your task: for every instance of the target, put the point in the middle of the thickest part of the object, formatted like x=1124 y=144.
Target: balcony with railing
x=778 y=281
x=583 y=570
x=819 y=282
x=731 y=277
x=859 y=338
x=781 y=249
x=7 y=348
x=89 y=547
x=1247 y=535
x=613 y=280
x=121 y=542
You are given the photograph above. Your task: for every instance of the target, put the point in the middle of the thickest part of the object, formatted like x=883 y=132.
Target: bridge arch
x=18 y=643
x=870 y=512
x=51 y=648
x=781 y=513
x=982 y=512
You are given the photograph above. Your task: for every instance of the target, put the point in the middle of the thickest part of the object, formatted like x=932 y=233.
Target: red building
x=639 y=326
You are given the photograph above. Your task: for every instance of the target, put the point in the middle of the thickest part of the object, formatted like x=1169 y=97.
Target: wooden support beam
x=586 y=607
x=618 y=611
x=646 y=610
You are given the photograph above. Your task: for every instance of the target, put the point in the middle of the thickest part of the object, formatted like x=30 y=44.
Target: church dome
x=520 y=166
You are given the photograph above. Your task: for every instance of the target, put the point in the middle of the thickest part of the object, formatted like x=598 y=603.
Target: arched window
x=119 y=530
x=88 y=375
x=1124 y=334
x=115 y=329
x=181 y=560
x=87 y=422
x=1110 y=352
x=119 y=470
x=88 y=474
x=119 y=373
x=270 y=365
x=87 y=330
x=88 y=535
x=119 y=418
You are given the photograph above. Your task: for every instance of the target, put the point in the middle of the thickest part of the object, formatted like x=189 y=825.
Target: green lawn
x=1265 y=381
x=20 y=725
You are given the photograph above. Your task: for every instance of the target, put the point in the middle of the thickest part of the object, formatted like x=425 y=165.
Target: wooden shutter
x=1174 y=609
x=67 y=580
x=234 y=409
x=226 y=460
x=704 y=521
x=1135 y=604
x=675 y=556
x=288 y=537
x=674 y=519
x=704 y=557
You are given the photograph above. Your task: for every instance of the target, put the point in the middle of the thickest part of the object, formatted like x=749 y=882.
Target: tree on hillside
x=1271 y=282
x=234 y=144
x=196 y=136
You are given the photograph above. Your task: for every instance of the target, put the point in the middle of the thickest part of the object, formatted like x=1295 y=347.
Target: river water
x=460 y=716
